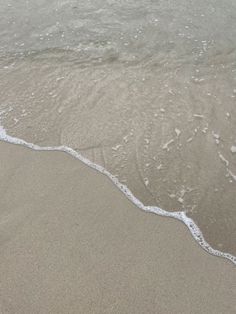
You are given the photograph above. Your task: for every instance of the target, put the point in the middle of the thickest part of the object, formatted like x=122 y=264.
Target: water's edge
x=180 y=215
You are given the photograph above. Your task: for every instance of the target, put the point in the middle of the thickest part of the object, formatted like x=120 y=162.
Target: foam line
x=180 y=215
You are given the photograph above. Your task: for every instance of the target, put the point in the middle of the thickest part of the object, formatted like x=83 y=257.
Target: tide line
x=180 y=215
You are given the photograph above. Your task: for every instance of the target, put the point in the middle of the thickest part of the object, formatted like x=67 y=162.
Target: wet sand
x=70 y=242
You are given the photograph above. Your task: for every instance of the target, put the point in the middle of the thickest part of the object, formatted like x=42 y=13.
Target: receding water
x=147 y=89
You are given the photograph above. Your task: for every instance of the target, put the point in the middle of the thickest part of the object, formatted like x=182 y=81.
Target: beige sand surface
x=70 y=242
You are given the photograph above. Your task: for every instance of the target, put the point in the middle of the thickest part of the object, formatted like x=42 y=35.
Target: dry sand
x=70 y=242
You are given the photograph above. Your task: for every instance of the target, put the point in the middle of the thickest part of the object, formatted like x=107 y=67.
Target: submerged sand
x=70 y=242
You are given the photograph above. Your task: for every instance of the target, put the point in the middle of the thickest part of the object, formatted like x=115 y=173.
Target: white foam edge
x=180 y=215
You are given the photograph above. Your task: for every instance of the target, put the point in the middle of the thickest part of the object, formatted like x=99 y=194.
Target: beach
x=145 y=91
x=71 y=242
x=117 y=157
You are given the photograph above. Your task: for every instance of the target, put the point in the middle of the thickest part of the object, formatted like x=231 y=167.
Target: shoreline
x=72 y=243
x=191 y=225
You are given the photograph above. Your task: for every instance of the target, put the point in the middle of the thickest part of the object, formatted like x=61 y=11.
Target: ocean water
x=144 y=91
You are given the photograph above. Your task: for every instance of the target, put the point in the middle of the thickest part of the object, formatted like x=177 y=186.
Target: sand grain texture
x=70 y=242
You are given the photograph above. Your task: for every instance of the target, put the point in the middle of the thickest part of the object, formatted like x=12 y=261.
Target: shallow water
x=146 y=89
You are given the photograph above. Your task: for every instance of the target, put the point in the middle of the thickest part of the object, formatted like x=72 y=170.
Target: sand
x=70 y=242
